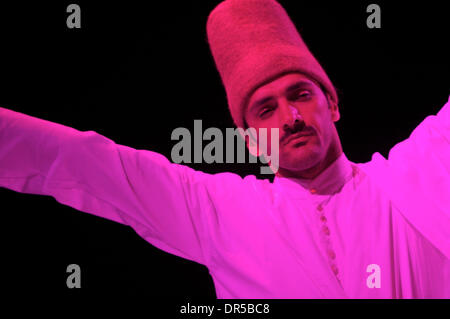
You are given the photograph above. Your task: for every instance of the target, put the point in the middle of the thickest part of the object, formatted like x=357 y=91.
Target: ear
x=252 y=145
x=251 y=141
x=335 y=115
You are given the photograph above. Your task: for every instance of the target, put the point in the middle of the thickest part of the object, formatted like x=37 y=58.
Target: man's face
x=279 y=104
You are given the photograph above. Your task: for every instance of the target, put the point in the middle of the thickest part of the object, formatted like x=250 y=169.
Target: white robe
x=260 y=239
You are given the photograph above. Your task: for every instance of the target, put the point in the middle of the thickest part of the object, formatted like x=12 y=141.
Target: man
x=325 y=228
x=305 y=149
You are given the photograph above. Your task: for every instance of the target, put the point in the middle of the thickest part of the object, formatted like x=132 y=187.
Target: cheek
x=319 y=120
x=325 y=130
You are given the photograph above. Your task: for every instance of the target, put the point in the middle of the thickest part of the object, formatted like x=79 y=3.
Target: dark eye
x=302 y=95
x=265 y=111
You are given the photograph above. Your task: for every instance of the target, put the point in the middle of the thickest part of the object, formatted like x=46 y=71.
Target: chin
x=299 y=159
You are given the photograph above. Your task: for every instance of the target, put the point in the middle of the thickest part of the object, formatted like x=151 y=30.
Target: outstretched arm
x=417 y=177
x=91 y=173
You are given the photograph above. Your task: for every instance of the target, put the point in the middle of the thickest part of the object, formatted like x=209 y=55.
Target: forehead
x=281 y=82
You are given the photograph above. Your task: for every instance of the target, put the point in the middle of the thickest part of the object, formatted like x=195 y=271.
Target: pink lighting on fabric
x=292 y=238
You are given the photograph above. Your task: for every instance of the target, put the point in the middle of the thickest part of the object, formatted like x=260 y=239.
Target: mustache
x=296 y=131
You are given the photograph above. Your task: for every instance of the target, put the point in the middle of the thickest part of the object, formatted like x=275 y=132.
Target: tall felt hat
x=254 y=42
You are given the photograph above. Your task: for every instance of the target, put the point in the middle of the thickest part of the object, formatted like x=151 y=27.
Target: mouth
x=298 y=139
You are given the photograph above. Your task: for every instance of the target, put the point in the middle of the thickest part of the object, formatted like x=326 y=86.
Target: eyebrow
x=291 y=88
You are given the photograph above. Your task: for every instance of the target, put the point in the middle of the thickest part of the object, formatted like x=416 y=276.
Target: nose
x=292 y=120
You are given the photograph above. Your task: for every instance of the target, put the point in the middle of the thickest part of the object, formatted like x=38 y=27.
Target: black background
x=134 y=73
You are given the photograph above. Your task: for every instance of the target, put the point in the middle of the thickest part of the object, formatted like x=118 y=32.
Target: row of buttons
x=325 y=230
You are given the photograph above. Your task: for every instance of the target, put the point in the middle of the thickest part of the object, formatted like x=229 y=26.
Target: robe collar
x=328 y=182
